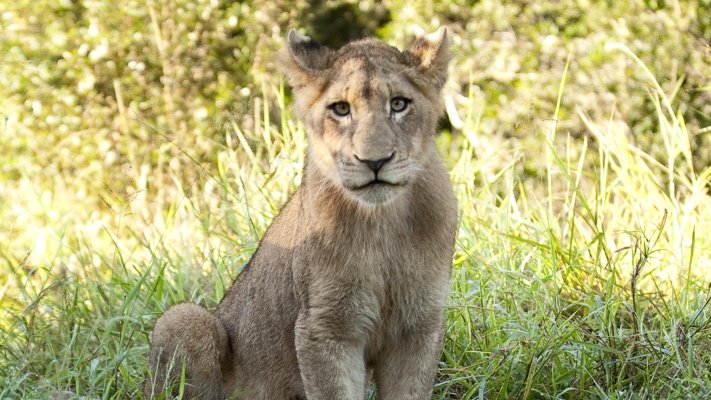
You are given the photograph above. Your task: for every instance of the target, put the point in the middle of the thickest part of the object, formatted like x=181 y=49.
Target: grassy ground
x=581 y=269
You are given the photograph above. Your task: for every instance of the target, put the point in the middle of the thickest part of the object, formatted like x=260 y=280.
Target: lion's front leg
x=330 y=359
x=406 y=369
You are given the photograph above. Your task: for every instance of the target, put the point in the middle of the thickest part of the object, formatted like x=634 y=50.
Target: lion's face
x=369 y=130
x=370 y=112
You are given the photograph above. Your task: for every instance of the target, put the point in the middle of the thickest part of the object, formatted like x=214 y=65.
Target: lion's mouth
x=376 y=183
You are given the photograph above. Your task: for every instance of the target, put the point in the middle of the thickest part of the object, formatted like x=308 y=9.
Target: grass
x=588 y=282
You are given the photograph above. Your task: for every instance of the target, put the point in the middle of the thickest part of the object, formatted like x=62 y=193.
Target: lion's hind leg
x=188 y=341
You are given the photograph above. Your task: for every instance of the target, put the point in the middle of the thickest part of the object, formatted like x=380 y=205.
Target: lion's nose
x=375 y=165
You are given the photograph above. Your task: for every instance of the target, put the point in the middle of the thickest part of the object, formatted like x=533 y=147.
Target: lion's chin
x=377 y=192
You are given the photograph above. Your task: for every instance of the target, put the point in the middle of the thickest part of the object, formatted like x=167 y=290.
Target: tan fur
x=351 y=278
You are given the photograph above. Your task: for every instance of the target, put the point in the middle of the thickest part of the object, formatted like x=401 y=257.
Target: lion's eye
x=399 y=104
x=340 y=109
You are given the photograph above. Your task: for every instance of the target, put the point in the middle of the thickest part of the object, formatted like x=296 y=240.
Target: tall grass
x=600 y=288
x=591 y=282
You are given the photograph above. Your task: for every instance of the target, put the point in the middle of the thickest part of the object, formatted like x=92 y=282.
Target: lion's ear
x=305 y=59
x=433 y=53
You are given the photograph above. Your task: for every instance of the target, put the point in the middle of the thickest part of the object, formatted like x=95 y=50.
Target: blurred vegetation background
x=108 y=106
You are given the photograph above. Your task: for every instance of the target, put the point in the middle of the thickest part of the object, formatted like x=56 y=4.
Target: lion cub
x=351 y=278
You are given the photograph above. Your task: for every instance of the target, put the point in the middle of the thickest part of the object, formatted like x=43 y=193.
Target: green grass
x=590 y=280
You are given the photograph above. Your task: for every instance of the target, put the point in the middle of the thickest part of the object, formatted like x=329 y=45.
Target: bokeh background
x=100 y=99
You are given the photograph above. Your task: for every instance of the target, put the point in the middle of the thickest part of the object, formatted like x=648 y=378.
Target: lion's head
x=370 y=110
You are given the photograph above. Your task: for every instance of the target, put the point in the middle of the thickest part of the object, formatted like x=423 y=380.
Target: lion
x=349 y=284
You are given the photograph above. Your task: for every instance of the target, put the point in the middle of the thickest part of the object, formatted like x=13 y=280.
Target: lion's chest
x=372 y=282
x=404 y=284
